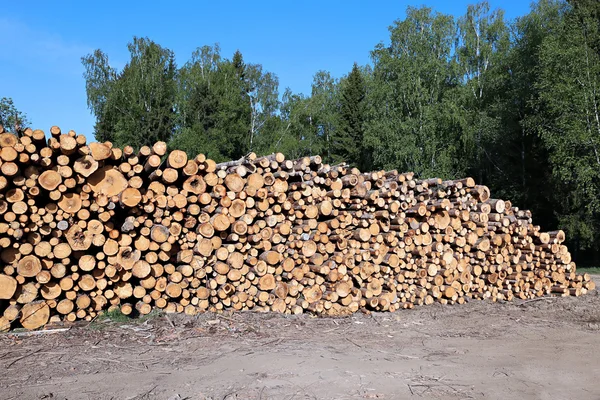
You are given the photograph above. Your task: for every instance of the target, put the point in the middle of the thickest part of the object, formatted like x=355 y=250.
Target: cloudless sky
x=42 y=42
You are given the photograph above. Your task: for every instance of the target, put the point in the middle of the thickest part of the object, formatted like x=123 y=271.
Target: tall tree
x=198 y=104
x=304 y=124
x=567 y=117
x=412 y=120
x=234 y=111
x=518 y=167
x=482 y=41
x=348 y=139
x=226 y=108
x=263 y=93
x=214 y=105
x=298 y=136
x=324 y=113
x=100 y=79
x=11 y=119
x=137 y=105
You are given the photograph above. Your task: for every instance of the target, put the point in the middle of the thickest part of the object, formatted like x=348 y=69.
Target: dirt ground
x=545 y=349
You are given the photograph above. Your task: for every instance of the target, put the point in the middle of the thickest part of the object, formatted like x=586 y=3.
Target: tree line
x=513 y=103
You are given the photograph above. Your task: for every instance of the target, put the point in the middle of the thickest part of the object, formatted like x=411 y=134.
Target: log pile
x=90 y=227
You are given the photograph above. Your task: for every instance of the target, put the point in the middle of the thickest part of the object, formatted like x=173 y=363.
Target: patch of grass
x=101 y=322
x=589 y=270
x=115 y=316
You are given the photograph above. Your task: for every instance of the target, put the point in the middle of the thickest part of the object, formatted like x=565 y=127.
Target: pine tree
x=348 y=139
x=234 y=113
x=213 y=105
x=239 y=65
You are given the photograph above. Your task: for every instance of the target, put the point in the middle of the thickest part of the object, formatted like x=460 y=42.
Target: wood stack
x=90 y=227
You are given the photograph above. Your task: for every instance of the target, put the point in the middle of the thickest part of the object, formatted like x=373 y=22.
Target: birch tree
x=412 y=121
x=135 y=106
x=482 y=40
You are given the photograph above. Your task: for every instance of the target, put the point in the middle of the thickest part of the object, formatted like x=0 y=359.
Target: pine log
x=34 y=315
x=107 y=181
x=100 y=151
x=8 y=287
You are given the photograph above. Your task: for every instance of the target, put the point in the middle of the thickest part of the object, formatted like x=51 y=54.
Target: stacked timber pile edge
x=90 y=227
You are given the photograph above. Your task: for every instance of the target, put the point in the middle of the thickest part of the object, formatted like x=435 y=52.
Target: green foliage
x=225 y=107
x=198 y=105
x=11 y=118
x=324 y=112
x=299 y=137
x=348 y=140
x=482 y=42
x=262 y=90
x=412 y=119
x=114 y=315
x=305 y=125
x=135 y=106
x=567 y=117
x=515 y=161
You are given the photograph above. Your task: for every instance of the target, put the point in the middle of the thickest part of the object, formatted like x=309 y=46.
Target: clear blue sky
x=41 y=42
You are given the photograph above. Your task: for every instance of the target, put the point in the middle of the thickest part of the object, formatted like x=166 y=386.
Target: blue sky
x=42 y=42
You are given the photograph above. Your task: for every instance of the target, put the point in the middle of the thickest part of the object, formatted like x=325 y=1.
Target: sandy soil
x=545 y=349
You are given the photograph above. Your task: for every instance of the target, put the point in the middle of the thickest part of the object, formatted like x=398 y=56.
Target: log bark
x=91 y=227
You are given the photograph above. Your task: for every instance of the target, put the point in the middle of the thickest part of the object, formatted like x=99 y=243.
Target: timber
x=88 y=227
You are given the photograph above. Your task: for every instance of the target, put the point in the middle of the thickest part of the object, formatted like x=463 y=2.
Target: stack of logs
x=86 y=228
